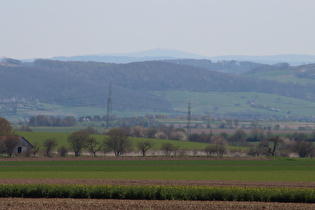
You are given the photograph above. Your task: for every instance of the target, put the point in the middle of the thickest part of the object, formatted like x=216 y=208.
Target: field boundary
x=137 y=182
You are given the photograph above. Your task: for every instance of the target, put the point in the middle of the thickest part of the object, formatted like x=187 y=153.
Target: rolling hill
x=144 y=87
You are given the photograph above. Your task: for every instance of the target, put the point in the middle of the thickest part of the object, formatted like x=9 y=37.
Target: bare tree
x=139 y=131
x=257 y=134
x=144 y=146
x=105 y=148
x=93 y=146
x=63 y=151
x=178 y=135
x=239 y=136
x=211 y=149
x=5 y=131
x=118 y=141
x=91 y=130
x=175 y=150
x=5 y=127
x=9 y=144
x=35 y=149
x=271 y=144
x=160 y=135
x=303 y=148
x=220 y=145
x=77 y=141
x=168 y=148
x=49 y=145
x=151 y=132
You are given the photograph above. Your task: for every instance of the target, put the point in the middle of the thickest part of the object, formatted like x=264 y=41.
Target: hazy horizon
x=37 y=29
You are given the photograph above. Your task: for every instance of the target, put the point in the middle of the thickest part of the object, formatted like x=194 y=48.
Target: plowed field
x=34 y=204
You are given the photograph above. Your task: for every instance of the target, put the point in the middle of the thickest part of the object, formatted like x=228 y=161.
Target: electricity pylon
x=109 y=106
x=189 y=120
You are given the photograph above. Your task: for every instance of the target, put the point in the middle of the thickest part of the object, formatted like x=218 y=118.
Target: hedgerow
x=155 y=192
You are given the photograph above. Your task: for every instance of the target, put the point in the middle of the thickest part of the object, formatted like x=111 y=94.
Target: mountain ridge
x=162 y=54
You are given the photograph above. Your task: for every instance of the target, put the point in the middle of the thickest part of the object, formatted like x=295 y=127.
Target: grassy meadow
x=237 y=102
x=280 y=76
x=62 y=140
x=280 y=169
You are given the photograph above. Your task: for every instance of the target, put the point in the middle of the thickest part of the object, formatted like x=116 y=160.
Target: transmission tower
x=189 y=120
x=109 y=106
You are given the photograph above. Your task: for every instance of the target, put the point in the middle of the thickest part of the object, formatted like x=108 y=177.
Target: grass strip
x=272 y=176
x=294 y=195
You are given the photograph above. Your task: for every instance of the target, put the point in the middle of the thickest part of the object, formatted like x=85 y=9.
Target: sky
x=44 y=29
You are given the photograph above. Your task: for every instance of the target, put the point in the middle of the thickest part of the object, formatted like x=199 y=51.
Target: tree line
x=117 y=141
x=42 y=120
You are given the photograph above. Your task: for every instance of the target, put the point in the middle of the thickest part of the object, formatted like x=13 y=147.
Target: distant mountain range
x=161 y=54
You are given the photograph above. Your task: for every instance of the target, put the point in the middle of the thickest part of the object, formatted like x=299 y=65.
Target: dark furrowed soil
x=28 y=203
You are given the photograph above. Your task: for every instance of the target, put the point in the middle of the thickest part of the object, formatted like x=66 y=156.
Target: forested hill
x=82 y=83
x=229 y=66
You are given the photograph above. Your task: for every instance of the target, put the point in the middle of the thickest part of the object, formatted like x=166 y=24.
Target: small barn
x=23 y=146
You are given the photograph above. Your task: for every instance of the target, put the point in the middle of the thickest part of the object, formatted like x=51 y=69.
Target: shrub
x=168 y=148
x=211 y=149
x=62 y=151
x=49 y=145
x=178 y=135
x=160 y=135
x=138 y=131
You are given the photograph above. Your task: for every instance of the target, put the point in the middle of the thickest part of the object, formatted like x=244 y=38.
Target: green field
x=292 y=170
x=62 y=140
x=280 y=76
x=238 y=102
x=201 y=103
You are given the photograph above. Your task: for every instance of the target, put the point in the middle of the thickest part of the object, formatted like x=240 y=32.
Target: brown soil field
x=43 y=203
x=28 y=203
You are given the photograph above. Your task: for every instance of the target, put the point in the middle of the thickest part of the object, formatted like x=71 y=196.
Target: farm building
x=23 y=145
x=14 y=145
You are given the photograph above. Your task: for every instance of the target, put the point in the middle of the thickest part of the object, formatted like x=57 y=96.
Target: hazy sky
x=42 y=29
